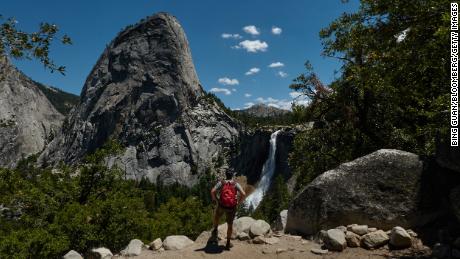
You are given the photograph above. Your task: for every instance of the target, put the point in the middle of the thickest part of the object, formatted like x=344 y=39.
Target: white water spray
x=253 y=200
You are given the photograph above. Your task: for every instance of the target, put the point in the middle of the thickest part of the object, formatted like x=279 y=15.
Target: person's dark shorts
x=229 y=213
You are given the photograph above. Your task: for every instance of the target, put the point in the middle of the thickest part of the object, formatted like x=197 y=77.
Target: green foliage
x=391 y=93
x=50 y=212
x=36 y=45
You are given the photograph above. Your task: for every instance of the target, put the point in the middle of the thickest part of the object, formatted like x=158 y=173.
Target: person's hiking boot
x=228 y=245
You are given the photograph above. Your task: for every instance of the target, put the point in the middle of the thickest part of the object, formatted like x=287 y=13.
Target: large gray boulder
x=28 y=120
x=242 y=225
x=280 y=223
x=145 y=93
x=176 y=242
x=382 y=189
x=134 y=248
x=72 y=254
x=375 y=239
x=399 y=238
x=259 y=228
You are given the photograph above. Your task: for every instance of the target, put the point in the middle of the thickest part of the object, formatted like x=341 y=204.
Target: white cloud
x=233 y=89
x=228 y=81
x=247 y=95
x=276 y=64
x=277 y=103
x=276 y=30
x=253 y=71
x=231 y=36
x=282 y=74
x=251 y=29
x=220 y=90
x=253 y=46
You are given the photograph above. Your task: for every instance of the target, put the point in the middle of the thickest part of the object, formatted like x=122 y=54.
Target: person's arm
x=242 y=193
x=213 y=194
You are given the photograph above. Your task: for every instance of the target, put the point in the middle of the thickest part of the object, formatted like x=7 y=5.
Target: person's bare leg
x=229 y=217
x=217 y=215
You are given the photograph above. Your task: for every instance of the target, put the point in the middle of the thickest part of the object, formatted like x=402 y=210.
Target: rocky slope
x=144 y=92
x=28 y=120
x=262 y=110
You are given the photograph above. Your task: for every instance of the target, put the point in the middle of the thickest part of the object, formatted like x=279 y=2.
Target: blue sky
x=261 y=33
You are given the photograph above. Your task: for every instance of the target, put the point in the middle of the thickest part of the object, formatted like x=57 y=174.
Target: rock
x=134 y=248
x=381 y=189
x=374 y=239
x=28 y=120
x=411 y=233
x=258 y=240
x=203 y=237
x=280 y=222
x=350 y=226
x=72 y=255
x=371 y=230
x=176 y=242
x=259 y=228
x=353 y=240
x=399 y=238
x=296 y=238
x=359 y=229
x=343 y=228
x=156 y=244
x=281 y=250
x=319 y=251
x=335 y=240
x=144 y=93
x=440 y=251
x=322 y=235
x=222 y=232
x=271 y=240
x=242 y=224
x=102 y=253
x=243 y=236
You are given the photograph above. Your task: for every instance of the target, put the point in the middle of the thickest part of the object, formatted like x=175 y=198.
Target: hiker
x=227 y=203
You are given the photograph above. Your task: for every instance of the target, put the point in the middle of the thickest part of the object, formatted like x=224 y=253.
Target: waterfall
x=268 y=170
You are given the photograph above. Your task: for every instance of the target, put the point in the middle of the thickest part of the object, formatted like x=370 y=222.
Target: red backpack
x=228 y=197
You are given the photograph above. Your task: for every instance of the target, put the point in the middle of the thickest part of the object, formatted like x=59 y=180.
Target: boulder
x=359 y=229
x=72 y=255
x=399 y=238
x=353 y=240
x=280 y=222
x=374 y=239
x=335 y=240
x=243 y=236
x=101 y=253
x=203 y=237
x=259 y=228
x=343 y=228
x=222 y=232
x=258 y=240
x=371 y=230
x=156 y=244
x=134 y=248
x=242 y=224
x=176 y=242
x=381 y=189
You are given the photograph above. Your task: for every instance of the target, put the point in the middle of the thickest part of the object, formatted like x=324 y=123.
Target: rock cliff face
x=27 y=119
x=145 y=93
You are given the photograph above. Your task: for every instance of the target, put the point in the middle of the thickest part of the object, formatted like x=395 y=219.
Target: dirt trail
x=292 y=248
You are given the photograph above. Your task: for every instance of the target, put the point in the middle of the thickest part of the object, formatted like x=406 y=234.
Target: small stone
x=258 y=240
x=319 y=251
x=375 y=239
x=399 y=238
x=102 y=253
x=272 y=240
x=335 y=240
x=296 y=238
x=72 y=254
x=281 y=250
x=243 y=236
x=134 y=248
x=353 y=240
x=156 y=244
x=372 y=230
x=359 y=229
